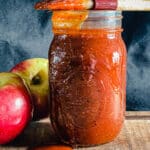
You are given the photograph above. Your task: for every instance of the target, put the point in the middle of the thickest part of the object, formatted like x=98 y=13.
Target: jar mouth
x=103 y=19
x=93 y=19
x=104 y=14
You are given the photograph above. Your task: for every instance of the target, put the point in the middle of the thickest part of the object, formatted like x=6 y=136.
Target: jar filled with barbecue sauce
x=87 y=76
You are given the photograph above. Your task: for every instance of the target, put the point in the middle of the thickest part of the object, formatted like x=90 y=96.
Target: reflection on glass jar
x=87 y=70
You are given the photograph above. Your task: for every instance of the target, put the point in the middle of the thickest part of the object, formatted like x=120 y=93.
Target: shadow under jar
x=87 y=75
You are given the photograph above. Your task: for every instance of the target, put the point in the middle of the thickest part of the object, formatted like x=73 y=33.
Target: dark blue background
x=26 y=33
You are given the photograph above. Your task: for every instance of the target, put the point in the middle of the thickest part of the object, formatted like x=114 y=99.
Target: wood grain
x=135 y=135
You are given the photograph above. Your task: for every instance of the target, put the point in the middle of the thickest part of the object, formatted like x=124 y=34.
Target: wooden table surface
x=135 y=135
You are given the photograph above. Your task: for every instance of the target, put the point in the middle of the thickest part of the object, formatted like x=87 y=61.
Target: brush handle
x=134 y=5
x=125 y=5
x=105 y=4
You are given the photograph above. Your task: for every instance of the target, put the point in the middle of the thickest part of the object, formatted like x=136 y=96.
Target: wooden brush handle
x=126 y=5
x=134 y=5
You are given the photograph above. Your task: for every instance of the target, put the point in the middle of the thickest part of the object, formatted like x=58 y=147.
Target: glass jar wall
x=87 y=75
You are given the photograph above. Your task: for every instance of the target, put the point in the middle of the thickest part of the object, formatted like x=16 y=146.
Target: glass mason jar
x=87 y=76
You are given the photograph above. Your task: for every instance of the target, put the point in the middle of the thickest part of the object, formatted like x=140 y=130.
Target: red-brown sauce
x=87 y=85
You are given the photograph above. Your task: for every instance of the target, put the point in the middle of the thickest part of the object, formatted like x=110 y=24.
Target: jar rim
x=96 y=14
x=91 y=19
x=104 y=13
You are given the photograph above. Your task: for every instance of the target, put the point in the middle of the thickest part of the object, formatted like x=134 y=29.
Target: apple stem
x=36 y=80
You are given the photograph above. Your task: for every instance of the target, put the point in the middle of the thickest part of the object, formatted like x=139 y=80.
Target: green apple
x=35 y=73
x=15 y=106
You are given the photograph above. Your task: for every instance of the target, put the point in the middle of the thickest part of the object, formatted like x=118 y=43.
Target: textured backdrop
x=26 y=33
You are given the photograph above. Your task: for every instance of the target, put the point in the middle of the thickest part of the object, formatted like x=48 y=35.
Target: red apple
x=15 y=106
x=35 y=72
